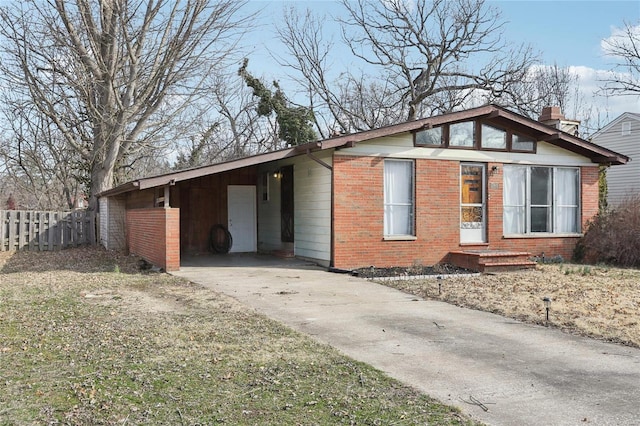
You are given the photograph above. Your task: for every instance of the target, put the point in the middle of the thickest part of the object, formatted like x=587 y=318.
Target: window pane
x=429 y=136
x=461 y=134
x=567 y=187
x=398 y=197
x=514 y=196
x=493 y=138
x=471 y=217
x=541 y=219
x=514 y=220
x=522 y=143
x=567 y=196
x=541 y=189
x=471 y=184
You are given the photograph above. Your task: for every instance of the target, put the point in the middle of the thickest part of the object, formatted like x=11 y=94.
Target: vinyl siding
x=623 y=181
x=401 y=146
x=312 y=199
x=312 y=208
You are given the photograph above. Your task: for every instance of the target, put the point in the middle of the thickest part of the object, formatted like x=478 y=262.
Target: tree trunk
x=101 y=180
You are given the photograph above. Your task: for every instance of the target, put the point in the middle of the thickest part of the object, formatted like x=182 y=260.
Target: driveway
x=496 y=370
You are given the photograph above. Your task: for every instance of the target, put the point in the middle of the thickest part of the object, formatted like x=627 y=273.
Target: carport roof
x=492 y=114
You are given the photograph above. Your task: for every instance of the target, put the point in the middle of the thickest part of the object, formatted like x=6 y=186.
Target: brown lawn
x=596 y=301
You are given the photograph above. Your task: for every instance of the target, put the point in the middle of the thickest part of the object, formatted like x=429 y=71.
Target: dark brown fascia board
x=492 y=113
x=216 y=168
x=120 y=189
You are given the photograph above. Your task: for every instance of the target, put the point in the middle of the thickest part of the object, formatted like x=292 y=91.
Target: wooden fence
x=45 y=230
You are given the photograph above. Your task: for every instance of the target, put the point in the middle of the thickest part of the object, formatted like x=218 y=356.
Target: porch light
x=277 y=174
x=547 y=305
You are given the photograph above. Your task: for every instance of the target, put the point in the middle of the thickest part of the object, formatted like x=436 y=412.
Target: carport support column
x=167 y=191
x=154 y=235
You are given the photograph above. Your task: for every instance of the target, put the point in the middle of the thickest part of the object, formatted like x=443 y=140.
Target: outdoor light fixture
x=547 y=305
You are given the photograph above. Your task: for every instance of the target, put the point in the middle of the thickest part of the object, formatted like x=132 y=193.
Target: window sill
x=541 y=235
x=399 y=238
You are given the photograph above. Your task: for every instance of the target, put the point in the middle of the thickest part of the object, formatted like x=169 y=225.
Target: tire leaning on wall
x=220 y=239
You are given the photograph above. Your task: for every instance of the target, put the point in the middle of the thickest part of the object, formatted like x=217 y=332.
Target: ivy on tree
x=295 y=123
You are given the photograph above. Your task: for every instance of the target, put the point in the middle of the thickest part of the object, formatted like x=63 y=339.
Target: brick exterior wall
x=358 y=215
x=154 y=235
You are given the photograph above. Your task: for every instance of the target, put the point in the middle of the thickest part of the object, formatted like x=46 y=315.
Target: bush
x=613 y=237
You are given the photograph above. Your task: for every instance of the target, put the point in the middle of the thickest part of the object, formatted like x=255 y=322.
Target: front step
x=491 y=260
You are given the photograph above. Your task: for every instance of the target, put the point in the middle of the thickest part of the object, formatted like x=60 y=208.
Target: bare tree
x=343 y=101
x=542 y=86
x=232 y=129
x=113 y=75
x=40 y=168
x=624 y=47
x=436 y=50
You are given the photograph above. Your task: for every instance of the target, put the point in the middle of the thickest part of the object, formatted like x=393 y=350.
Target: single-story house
x=623 y=135
x=475 y=181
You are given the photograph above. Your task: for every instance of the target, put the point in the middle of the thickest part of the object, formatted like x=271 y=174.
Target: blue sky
x=567 y=33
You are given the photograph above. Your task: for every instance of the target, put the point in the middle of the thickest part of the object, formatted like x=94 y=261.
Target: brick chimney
x=552 y=116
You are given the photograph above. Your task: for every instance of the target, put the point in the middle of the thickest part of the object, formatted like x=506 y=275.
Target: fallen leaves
x=596 y=301
x=83 y=342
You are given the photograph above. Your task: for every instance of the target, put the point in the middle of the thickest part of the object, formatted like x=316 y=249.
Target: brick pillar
x=154 y=235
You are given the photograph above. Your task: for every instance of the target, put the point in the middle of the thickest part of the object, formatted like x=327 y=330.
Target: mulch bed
x=411 y=271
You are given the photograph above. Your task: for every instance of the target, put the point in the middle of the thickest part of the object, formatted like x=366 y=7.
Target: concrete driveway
x=497 y=370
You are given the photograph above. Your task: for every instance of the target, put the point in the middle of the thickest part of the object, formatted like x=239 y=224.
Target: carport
x=241 y=206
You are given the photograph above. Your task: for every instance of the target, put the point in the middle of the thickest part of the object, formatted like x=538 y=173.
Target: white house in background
x=622 y=135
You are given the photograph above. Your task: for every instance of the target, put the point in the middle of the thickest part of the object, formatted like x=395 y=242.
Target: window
x=462 y=134
x=429 y=137
x=626 y=129
x=476 y=134
x=522 y=143
x=493 y=138
x=398 y=197
x=541 y=200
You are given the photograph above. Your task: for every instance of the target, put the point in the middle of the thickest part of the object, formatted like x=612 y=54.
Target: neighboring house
x=473 y=181
x=622 y=135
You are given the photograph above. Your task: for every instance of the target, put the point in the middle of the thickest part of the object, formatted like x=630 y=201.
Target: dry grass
x=85 y=338
x=595 y=301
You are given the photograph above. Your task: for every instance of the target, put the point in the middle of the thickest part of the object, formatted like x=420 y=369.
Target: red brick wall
x=358 y=215
x=154 y=235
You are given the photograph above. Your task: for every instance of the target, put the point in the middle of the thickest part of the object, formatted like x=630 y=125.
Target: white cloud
x=597 y=109
x=620 y=37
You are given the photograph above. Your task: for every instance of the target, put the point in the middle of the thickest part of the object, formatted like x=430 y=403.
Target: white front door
x=473 y=221
x=241 y=202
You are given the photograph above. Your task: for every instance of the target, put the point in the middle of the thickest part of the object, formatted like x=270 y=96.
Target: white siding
x=623 y=181
x=401 y=146
x=312 y=200
x=112 y=223
x=312 y=208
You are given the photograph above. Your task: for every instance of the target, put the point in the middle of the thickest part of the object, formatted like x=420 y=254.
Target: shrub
x=613 y=237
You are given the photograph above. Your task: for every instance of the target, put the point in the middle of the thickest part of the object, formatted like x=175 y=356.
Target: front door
x=472 y=203
x=241 y=210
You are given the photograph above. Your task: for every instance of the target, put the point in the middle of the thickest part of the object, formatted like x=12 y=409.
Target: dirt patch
x=595 y=301
x=85 y=338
